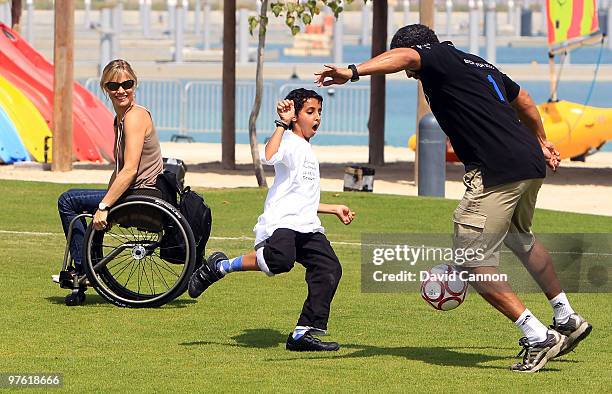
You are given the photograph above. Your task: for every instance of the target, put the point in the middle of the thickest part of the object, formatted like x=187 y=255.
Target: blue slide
x=11 y=147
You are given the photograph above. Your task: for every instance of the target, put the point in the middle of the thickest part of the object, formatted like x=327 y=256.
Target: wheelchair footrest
x=69 y=280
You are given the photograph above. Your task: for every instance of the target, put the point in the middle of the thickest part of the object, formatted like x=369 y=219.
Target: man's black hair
x=411 y=35
x=299 y=97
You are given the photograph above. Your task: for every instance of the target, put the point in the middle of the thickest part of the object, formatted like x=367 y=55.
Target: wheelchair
x=128 y=262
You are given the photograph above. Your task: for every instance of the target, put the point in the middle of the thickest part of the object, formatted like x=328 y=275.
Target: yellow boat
x=30 y=124
x=576 y=129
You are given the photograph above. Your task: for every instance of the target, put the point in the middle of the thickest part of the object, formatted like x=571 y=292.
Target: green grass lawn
x=233 y=337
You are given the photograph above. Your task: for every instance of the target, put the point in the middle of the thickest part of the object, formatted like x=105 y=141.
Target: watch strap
x=282 y=124
x=355 y=76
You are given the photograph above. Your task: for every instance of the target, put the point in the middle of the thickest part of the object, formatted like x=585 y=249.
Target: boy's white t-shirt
x=293 y=199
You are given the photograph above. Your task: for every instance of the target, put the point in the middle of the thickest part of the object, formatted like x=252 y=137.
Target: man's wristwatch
x=103 y=207
x=282 y=124
x=355 y=76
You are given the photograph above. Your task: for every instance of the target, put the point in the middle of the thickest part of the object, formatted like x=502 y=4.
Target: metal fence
x=191 y=107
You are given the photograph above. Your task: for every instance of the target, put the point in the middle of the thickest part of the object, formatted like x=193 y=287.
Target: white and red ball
x=443 y=288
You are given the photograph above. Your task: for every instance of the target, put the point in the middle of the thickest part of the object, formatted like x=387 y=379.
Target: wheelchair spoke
x=122 y=270
x=130 y=275
x=161 y=276
x=144 y=270
x=123 y=260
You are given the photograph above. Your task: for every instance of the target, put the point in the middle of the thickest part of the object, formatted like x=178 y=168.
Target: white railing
x=195 y=107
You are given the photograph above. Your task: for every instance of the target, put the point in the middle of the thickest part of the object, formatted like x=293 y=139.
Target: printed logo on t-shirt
x=479 y=64
x=423 y=46
x=310 y=170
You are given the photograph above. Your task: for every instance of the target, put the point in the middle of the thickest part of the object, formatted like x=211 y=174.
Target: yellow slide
x=30 y=124
x=574 y=129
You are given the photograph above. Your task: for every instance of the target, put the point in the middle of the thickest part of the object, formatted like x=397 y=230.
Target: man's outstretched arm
x=389 y=62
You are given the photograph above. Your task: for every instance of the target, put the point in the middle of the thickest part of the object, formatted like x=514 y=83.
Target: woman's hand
x=344 y=213
x=99 y=220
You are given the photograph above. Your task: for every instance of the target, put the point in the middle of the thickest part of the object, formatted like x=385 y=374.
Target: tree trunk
x=15 y=15
x=376 y=124
x=259 y=171
x=228 y=116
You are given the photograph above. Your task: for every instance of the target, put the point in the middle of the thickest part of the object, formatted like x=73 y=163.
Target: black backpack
x=193 y=208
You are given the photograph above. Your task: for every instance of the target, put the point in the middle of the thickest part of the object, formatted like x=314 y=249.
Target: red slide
x=93 y=135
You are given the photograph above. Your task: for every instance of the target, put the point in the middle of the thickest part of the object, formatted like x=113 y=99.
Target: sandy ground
x=575 y=187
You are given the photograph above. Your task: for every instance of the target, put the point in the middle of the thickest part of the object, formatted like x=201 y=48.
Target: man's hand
x=344 y=213
x=551 y=155
x=286 y=111
x=99 y=220
x=333 y=75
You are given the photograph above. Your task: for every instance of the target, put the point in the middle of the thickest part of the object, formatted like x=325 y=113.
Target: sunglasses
x=114 y=86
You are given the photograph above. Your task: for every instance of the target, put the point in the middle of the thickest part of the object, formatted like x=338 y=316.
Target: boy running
x=289 y=229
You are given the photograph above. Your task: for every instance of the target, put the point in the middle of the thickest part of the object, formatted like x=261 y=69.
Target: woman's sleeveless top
x=151 y=163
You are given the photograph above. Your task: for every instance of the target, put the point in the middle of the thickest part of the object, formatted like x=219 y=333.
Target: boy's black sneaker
x=308 y=343
x=206 y=275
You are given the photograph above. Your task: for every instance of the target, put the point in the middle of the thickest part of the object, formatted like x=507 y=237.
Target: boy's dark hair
x=299 y=97
x=411 y=35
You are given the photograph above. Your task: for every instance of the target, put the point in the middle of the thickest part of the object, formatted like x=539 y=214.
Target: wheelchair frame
x=130 y=217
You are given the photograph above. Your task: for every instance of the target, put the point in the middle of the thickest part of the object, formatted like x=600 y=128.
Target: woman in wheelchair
x=138 y=162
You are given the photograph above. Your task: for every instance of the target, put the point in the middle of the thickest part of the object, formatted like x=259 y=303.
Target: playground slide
x=11 y=148
x=575 y=129
x=98 y=120
x=29 y=123
x=24 y=75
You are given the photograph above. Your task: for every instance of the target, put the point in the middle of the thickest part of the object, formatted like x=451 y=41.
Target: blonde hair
x=114 y=68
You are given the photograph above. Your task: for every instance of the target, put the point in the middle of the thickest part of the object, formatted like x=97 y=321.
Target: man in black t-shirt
x=496 y=131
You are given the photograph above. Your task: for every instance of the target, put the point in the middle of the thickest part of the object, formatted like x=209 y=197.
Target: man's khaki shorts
x=486 y=217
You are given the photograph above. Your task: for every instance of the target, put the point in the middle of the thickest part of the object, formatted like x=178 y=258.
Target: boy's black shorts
x=286 y=246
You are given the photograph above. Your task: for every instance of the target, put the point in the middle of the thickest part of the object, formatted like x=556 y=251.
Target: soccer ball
x=442 y=288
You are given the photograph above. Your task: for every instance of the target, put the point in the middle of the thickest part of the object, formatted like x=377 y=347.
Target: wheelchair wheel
x=127 y=263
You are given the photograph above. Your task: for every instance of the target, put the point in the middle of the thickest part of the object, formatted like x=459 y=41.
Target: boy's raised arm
x=286 y=112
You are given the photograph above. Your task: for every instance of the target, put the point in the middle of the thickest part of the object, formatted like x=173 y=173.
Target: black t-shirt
x=471 y=98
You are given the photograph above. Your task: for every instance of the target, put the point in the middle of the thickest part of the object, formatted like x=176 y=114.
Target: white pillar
x=390 y=21
x=206 y=25
x=145 y=17
x=197 y=18
x=243 y=36
x=610 y=24
x=510 y=14
x=116 y=28
x=179 y=27
x=4 y=15
x=474 y=27
x=105 y=38
x=87 y=14
x=406 y=12
x=449 y=18
x=30 y=22
x=518 y=18
x=480 y=8
x=490 y=33
x=366 y=24
x=543 y=19
x=338 y=40
x=171 y=15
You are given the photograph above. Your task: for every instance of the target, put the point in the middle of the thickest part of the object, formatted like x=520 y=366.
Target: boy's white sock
x=561 y=308
x=533 y=329
x=299 y=332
